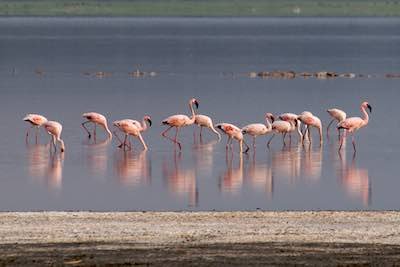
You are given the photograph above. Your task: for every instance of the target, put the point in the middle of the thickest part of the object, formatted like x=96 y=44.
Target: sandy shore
x=201 y=238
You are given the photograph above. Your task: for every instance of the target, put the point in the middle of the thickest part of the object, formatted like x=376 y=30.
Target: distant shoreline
x=204 y=8
x=204 y=238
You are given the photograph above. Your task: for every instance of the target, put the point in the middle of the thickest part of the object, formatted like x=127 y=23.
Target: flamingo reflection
x=287 y=162
x=181 y=181
x=231 y=180
x=96 y=154
x=203 y=155
x=132 y=168
x=44 y=167
x=355 y=180
x=312 y=162
x=260 y=176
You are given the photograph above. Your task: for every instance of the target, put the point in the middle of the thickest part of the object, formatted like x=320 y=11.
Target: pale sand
x=27 y=234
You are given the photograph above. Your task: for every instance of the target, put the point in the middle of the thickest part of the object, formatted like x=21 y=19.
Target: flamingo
x=36 y=121
x=338 y=115
x=292 y=117
x=256 y=129
x=205 y=121
x=233 y=132
x=96 y=118
x=310 y=120
x=179 y=121
x=134 y=128
x=282 y=127
x=54 y=129
x=353 y=124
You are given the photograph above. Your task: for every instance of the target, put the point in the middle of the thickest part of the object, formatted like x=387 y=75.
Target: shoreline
x=204 y=238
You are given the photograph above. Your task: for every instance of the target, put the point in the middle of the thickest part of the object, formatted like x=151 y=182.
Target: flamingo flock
x=286 y=124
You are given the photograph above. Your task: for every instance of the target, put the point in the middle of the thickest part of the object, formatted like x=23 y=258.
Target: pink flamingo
x=292 y=117
x=205 y=121
x=256 y=129
x=282 y=127
x=353 y=124
x=233 y=132
x=310 y=120
x=54 y=129
x=179 y=121
x=36 y=121
x=134 y=128
x=338 y=115
x=96 y=118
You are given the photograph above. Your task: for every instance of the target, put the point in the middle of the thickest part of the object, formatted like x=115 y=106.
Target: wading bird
x=36 y=121
x=233 y=132
x=133 y=128
x=338 y=115
x=293 y=117
x=179 y=121
x=256 y=129
x=352 y=124
x=205 y=121
x=310 y=120
x=54 y=129
x=95 y=118
x=282 y=127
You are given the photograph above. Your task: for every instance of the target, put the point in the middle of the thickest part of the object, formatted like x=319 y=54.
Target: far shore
x=201 y=238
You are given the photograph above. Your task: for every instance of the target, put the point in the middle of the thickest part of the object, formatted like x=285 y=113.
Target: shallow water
x=42 y=66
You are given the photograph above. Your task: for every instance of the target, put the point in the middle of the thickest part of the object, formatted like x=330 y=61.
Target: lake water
x=45 y=65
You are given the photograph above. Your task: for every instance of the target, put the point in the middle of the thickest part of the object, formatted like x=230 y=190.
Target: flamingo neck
x=144 y=125
x=268 y=124
x=107 y=130
x=193 y=118
x=366 y=117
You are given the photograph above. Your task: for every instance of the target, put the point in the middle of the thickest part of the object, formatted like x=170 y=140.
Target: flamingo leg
x=254 y=142
x=27 y=133
x=94 y=130
x=354 y=142
x=342 y=139
x=36 y=134
x=86 y=129
x=119 y=139
x=309 y=133
x=327 y=128
x=169 y=138
x=201 y=131
x=247 y=146
x=142 y=141
x=54 y=143
x=269 y=141
x=228 y=141
x=283 y=139
x=125 y=144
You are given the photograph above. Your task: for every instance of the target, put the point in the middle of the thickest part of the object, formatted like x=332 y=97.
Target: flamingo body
x=311 y=120
x=54 y=129
x=133 y=128
x=96 y=118
x=36 y=121
x=205 y=121
x=338 y=115
x=233 y=132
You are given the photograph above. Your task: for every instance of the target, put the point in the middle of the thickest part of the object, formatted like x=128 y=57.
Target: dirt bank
x=201 y=238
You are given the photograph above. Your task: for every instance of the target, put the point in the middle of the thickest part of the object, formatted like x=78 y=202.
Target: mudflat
x=199 y=238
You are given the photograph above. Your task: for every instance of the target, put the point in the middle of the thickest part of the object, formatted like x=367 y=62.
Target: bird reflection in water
x=132 y=168
x=45 y=167
x=312 y=162
x=203 y=155
x=181 y=181
x=287 y=162
x=231 y=180
x=96 y=155
x=355 y=180
x=259 y=175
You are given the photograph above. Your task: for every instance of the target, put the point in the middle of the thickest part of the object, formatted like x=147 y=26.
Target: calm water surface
x=208 y=59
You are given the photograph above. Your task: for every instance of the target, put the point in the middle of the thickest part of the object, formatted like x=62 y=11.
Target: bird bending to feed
x=205 y=121
x=282 y=127
x=233 y=132
x=310 y=120
x=179 y=121
x=54 y=129
x=352 y=124
x=256 y=129
x=96 y=118
x=134 y=128
x=338 y=115
x=36 y=121
x=293 y=117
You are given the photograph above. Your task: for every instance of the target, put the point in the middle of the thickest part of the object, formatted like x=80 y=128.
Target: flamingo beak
x=150 y=122
x=196 y=103
x=369 y=107
x=272 y=118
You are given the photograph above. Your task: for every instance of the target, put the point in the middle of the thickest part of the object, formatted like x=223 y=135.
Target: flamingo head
x=195 y=102
x=305 y=114
x=148 y=119
x=365 y=104
x=116 y=123
x=270 y=116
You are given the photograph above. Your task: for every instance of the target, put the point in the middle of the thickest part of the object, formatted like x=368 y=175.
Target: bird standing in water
x=338 y=115
x=36 y=121
x=54 y=129
x=233 y=132
x=96 y=118
x=256 y=129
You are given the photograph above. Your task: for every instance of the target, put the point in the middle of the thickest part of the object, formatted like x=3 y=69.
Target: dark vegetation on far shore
x=199 y=8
